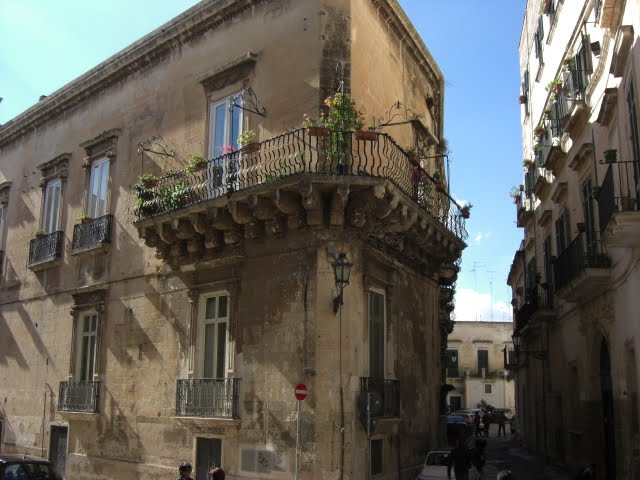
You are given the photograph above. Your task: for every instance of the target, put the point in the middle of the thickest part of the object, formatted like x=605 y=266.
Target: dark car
x=27 y=467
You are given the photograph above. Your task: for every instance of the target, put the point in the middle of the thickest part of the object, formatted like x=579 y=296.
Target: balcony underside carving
x=623 y=230
x=386 y=218
x=586 y=285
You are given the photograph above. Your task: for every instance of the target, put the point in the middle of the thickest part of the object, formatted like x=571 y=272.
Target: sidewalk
x=507 y=453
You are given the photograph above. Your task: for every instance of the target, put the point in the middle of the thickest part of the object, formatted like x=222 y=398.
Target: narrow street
x=507 y=453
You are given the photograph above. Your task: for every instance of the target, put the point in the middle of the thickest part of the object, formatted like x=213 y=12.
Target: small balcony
x=618 y=205
x=208 y=398
x=525 y=211
x=572 y=105
x=45 y=249
x=389 y=392
x=582 y=269
x=79 y=397
x=538 y=304
x=92 y=234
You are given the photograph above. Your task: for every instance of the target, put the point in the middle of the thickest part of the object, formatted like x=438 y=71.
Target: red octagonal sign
x=301 y=391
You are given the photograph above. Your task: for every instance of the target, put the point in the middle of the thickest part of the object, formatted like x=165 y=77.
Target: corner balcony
x=618 y=206
x=297 y=180
x=79 y=397
x=208 y=398
x=92 y=234
x=45 y=249
x=582 y=269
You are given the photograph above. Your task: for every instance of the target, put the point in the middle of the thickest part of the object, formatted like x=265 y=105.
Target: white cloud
x=479 y=237
x=472 y=306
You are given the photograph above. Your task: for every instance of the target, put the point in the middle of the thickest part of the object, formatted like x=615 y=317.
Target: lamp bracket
x=397 y=116
x=248 y=101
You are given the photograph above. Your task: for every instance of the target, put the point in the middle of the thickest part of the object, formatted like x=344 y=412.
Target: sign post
x=301 y=393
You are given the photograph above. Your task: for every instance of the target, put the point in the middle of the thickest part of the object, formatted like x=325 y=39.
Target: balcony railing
x=389 y=391
x=79 y=397
x=1 y=261
x=208 y=397
x=295 y=152
x=582 y=253
x=92 y=234
x=619 y=191
x=45 y=248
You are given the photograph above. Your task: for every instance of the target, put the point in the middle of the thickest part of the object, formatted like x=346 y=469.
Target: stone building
x=575 y=274
x=475 y=365
x=149 y=321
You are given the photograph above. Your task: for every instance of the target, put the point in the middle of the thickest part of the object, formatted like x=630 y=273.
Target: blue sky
x=46 y=44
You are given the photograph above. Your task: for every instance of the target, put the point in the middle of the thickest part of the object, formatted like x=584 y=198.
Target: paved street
x=506 y=452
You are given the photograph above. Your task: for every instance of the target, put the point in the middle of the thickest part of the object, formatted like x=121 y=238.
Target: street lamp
x=537 y=354
x=341 y=272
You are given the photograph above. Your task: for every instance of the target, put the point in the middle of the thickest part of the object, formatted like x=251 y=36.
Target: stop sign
x=301 y=391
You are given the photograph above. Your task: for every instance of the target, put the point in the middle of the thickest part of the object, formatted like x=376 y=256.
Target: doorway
x=607 y=411
x=58 y=448
x=208 y=454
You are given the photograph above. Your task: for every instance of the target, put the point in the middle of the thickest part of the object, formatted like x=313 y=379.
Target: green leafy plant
x=247 y=137
x=196 y=162
x=174 y=196
x=147 y=180
x=83 y=218
x=342 y=113
x=465 y=211
x=555 y=86
x=38 y=232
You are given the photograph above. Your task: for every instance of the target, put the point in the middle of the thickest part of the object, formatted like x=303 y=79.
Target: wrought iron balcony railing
x=389 y=391
x=296 y=152
x=92 y=234
x=208 y=397
x=79 y=397
x=619 y=191
x=45 y=248
x=573 y=91
x=583 y=252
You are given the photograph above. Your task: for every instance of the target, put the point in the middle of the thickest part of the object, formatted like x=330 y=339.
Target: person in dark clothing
x=185 y=471
x=501 y=419
x=460 y=461
x=216 y=473
x=476 y=424
x=486 y=421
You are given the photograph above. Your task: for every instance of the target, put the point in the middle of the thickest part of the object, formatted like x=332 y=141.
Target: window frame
x=80 y=360
x=479 y=367
x=379 y=459
x=216 y=320
x=228 y=134
x=450 y=368
x=93 y=207
x=49 y=219
x=383 y=362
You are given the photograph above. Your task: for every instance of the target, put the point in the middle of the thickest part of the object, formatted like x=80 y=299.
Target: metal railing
x=208 y=397
x=580 y=254
x=92 y=234
x=45 y=248
x=573 y=91
x=618 y=192
x=295 y=152
x=389 y=391
x=79 y=397
x=1 y=261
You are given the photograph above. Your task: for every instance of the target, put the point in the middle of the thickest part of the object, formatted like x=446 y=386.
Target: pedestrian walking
x=477 y=424
x=486 y=421
x=216 y=473
x=501 y=419
x=459 y=461
x=185 y=470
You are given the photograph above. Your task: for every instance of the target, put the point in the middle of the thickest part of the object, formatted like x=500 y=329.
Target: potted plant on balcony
x=196 y=163
x=418 y=175
x=84 y=218
x=437 y=181
x=540 y=132
x=412 y=155
x=611 y=155
x=316 y=128
x=527 y=163
x=147 y=180
x=515 y=194
x=369 y=135
x=247 y=142
x=522 y=99
x=465 y=211
x=555 y=86
x=39 y=233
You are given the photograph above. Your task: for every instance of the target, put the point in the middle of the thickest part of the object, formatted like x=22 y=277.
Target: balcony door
x=589 y=217
x=98 y=186
x=51 y=206
x=376 y=334
x=213 y=335
x=225 y=126
x=86 y=348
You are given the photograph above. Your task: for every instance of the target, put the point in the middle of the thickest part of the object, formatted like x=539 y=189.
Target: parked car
x=27 y=467
x=435 y=465
x=456 y=427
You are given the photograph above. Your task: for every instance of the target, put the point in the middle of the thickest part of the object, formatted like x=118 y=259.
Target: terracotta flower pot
x=366 y=135
x=318 y=131
x=414 y=160
x=250 y=147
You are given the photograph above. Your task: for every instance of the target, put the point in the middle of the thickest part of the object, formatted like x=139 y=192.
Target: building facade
x=574 y=276
x=475 y=365
x=166 y=287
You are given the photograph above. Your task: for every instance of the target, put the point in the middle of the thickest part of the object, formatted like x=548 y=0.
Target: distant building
x=147 y=321
x=475 y=365
x=575 y=276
